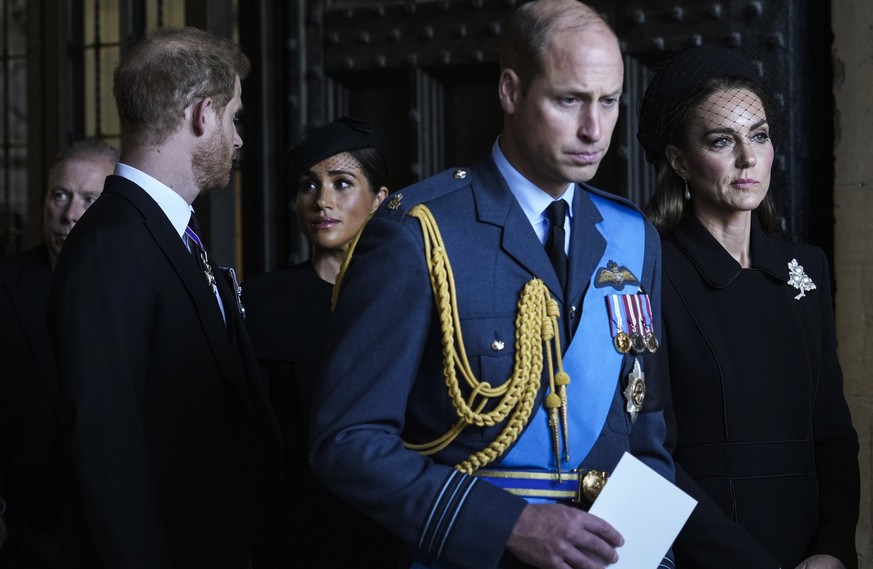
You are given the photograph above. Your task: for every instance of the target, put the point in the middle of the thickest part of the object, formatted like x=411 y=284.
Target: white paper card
x=647 y=510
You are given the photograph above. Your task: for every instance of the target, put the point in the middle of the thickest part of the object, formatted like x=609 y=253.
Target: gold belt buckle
x=591 y=482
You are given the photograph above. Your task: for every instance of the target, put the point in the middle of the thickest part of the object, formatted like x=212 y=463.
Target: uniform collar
x=715 y=264
x=532 y=199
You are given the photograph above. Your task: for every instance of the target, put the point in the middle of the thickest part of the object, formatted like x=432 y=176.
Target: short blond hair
x=168 y=70
x=83 y=149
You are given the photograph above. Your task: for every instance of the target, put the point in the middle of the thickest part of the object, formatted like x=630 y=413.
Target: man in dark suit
x=173 y=440
x=482 y=451
x=33 y=491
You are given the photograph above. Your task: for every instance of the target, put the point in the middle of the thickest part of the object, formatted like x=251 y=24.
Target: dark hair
x=667 y=205
x=680 y=85
x=374 y=163
x=167 y=71
x=527 y=35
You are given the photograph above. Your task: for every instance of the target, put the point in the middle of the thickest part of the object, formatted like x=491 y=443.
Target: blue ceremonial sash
x=591 y=360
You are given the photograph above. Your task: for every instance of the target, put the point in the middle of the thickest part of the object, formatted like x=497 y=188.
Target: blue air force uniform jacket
x=384 y=384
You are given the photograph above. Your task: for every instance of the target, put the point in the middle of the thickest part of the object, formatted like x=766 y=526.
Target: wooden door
x=426 y=72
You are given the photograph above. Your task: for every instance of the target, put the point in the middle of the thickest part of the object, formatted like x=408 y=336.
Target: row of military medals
x=635 y=312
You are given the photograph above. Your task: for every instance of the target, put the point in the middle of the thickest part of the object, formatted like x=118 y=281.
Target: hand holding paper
x=646 y=509
x=546 y=532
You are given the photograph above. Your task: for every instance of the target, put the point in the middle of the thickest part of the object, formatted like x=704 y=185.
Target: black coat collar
x=716 y=265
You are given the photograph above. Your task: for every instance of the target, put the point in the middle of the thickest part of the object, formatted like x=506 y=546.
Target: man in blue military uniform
x=494 y=350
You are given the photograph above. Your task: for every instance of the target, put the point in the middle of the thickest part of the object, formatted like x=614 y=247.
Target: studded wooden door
x=426 y=71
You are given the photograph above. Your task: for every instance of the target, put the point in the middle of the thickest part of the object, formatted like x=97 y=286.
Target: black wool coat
x=763 y=435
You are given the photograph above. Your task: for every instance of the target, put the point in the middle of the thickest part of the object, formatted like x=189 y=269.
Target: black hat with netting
x=708 y=84
x=345 y=134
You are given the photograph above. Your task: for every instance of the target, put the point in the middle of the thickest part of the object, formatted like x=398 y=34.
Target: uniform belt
x=580 y=486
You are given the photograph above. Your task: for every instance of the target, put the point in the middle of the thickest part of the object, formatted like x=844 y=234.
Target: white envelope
x=647 y=510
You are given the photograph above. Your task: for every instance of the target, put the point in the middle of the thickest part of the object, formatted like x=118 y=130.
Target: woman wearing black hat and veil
x=337 y=176
x=762 y=432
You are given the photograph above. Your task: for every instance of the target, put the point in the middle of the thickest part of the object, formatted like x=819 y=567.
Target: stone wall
x=853 y=249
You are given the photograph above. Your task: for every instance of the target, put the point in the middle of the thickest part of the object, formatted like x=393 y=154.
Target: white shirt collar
x=530 y=197
x=177 y=210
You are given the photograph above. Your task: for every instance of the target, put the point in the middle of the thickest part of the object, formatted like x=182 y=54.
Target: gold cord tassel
x=553 y=403
x=557 y=399
x=561 y=380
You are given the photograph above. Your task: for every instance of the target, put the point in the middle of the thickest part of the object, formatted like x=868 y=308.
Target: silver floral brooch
x=798 y=279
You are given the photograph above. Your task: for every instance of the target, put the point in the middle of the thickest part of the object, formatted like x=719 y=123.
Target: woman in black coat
x=763 y=436
x=337 y=176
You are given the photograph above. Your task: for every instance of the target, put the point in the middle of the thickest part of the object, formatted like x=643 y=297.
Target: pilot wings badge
x=615 y=276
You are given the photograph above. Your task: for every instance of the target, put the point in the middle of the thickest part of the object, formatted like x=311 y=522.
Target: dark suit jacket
x=172 y=432
x=32 y=466
x=764 y=439
x=384 y=383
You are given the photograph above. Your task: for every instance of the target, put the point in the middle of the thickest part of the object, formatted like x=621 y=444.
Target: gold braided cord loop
x=347 y=258
x=536 y=331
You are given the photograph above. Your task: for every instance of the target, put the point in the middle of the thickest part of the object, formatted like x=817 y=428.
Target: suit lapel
x=194 y=280
x=202 y=295
x=30 y=300
x=496 y=205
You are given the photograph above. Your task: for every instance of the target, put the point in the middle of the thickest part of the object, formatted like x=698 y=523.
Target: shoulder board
x=397 y=204
x=618 y=200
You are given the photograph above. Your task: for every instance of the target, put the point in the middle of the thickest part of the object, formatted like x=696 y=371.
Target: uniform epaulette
x=447 y=181
x=610 y=196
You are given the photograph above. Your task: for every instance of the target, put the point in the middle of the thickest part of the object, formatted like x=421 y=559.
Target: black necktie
x=557 y=212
